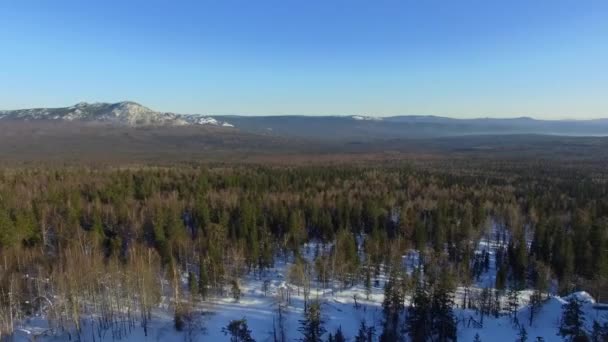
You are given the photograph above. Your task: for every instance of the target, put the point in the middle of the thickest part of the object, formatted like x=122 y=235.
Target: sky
x=456 y=58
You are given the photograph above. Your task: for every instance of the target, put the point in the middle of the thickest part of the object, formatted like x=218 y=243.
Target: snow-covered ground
x=261 y=294
x=260 y=311
x=545 y=324
x=257 y=306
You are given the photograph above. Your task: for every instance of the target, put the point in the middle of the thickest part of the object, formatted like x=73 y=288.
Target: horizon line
x=370 y=116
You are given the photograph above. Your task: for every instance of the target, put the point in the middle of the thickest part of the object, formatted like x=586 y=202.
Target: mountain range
x=336 y=128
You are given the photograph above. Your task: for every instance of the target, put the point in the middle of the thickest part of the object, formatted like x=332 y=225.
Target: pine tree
x=535 y=303
x=443 y=320
x=392 y=306
x=523 y=335
x=238 y=331
x=573 y=321
x=296 y=231
x=496 y=305
x=368 y=282
x=97 y=229
x=312 y=324
x=513 y=304
x=599 y=332
x=365 y=334
x=501 y=277
x=418 y=322
x=339 y=336
x=420 y=235
x=7 y=230
x=485 y=302
x=203 y=278
x=520 y=259
x=192 y=284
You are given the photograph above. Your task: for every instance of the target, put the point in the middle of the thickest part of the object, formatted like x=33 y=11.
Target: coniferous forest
x=312 y=171
x=107 y=247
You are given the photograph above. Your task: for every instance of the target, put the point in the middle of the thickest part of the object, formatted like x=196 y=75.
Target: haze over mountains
x=356 y=127
x=132 y=133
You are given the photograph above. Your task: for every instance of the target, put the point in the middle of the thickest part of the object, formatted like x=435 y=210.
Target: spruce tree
x=442 y=315
x=496 y=305
x=203 y=278
x=501 y=277
x=535 y=303
x=573 y=321
x=7 y=230
x=513 y=304
x=485 y=302
x=238 y=331
x=599 y=332
x=368 y=282
x=365 y=334
x=192 y=284
x=392 y=306
x=311 y=326
x=339 y=336
x=523 y=335
x=418 y=322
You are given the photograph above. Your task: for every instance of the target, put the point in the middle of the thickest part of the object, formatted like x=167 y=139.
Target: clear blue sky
x=459 y=58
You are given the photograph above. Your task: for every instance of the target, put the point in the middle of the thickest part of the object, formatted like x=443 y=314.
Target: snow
x=126 y=113
x=259 y=308
x=545 y=324
x=582 y=296
x=365 y=118
x=206 y=121
x=338 y=311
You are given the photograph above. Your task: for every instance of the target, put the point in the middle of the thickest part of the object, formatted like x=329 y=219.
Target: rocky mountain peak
x=123 y=113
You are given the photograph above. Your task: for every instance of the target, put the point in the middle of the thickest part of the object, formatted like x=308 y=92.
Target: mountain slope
x=122 y=113
x=327 y=128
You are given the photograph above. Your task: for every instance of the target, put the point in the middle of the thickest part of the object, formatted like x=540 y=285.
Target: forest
x=117 y=243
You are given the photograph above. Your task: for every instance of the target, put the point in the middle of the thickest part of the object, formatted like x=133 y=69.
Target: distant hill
x=400 y=127
x=319 y=128
x=122 y=113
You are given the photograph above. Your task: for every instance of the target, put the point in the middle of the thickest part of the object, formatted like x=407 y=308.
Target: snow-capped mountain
x=205 y=120
x=366 y=118
x=124 y=113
